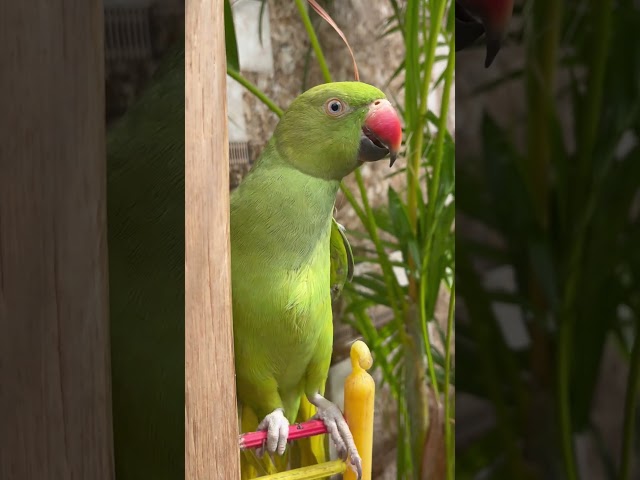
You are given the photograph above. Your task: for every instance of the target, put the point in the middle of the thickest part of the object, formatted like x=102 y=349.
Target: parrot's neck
x=285 y=212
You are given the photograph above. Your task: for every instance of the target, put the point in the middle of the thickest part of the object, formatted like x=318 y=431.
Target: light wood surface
x=211 y=428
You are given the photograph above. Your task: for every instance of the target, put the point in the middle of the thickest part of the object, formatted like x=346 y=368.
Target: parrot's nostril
x=377 y=102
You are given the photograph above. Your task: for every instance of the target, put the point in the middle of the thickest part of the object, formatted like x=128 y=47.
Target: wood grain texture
x=55 y=420
x=211 y=426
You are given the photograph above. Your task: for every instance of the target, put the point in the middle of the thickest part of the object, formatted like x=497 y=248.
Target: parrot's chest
x=281 y=261
x=286 y=290
x=282 y=308
x=307 y=289
x=305 y=315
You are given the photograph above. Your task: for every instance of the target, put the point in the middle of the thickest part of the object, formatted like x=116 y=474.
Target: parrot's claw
x=277 y=427
x=339 y=431
x=355 y=464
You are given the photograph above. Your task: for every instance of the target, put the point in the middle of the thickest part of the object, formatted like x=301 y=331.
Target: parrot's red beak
x=381 y=133
x=475 y=17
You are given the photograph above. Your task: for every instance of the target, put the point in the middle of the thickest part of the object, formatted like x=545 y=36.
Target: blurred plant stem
x=449 y=404
x=431 y=205
x=583 y=194
x=630 y=407
x=313 y=38
x=259 y=94
x=416 y=121
x=542 y=39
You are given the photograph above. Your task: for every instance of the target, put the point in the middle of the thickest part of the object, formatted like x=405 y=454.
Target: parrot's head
x=475 y=17
x=331 y=129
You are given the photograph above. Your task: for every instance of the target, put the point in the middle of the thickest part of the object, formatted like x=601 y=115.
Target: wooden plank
x=54 y=356
x=211 y=428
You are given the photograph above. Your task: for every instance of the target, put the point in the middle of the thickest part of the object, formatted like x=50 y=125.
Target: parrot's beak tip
x=383 y=130
x=494 y=43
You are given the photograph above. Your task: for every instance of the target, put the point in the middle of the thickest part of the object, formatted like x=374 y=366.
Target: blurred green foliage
x=565 y=208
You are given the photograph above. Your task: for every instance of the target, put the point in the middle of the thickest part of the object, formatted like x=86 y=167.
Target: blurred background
x=401 y=231
x=548 y=246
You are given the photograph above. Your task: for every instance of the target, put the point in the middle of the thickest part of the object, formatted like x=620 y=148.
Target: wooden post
x=55 y=398
x=211 y=422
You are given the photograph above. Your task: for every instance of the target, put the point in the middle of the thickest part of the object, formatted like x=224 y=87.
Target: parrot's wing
x=341 y=259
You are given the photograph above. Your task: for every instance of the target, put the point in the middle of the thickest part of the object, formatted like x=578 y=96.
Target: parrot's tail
x=301 y=453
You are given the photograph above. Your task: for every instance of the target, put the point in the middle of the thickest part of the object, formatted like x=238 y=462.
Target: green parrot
x=289 y=259
x=283 y=241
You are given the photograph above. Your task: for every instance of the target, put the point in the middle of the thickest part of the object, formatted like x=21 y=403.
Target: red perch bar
x=296 y=431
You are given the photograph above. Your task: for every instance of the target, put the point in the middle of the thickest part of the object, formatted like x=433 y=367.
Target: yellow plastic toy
x=359 y=396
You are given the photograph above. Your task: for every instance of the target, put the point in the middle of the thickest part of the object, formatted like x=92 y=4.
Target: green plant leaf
x=402 y=228
x=230 y=38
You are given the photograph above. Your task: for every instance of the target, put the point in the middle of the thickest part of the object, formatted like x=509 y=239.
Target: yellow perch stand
x=359 y=395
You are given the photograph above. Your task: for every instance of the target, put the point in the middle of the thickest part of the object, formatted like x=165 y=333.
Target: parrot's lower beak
x=381 y=133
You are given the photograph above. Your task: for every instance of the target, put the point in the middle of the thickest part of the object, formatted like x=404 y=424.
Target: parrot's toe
x=356 y=464
x=336 y=437
x=277 y=427
x=339 y=431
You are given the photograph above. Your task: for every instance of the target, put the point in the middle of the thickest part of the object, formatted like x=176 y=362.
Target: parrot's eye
x=334 y=107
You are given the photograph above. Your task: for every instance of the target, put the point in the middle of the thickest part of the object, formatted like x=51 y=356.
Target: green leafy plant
x=566 y=223
x=421 y=228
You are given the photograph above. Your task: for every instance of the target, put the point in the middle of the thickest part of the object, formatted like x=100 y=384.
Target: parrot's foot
x=339 y=431
x=277 y=427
